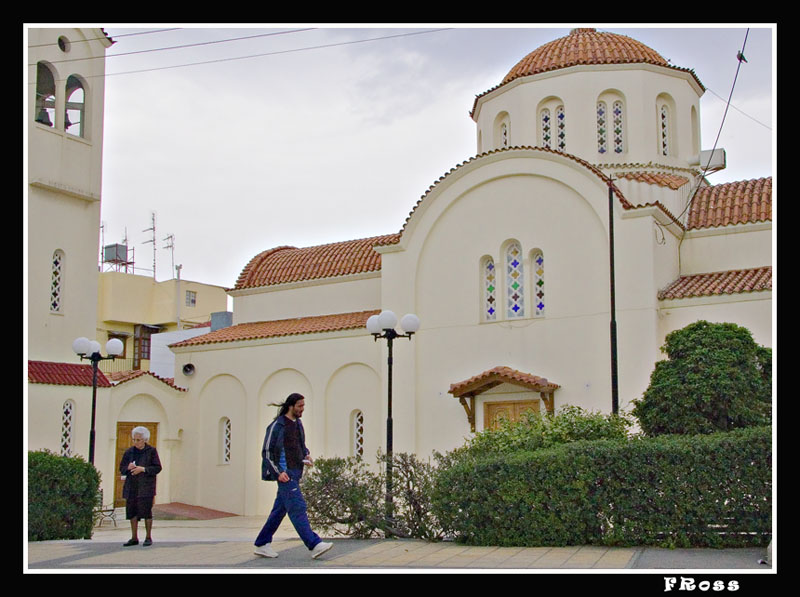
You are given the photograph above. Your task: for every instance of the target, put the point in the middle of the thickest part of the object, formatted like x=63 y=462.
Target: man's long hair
x=290 y=401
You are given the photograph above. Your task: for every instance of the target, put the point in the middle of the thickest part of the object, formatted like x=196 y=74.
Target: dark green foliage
x=62 y=494
x=716 y=378
x=346 y=497
x=712 y=490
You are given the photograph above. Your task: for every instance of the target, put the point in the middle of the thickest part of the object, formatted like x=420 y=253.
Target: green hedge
x=713 y=490
x=62 y=494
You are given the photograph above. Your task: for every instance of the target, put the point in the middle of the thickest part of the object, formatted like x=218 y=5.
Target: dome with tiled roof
x=585 y=46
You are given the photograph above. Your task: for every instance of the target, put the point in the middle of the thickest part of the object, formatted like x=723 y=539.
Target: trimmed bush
x=716 y=378
x=62 y=494
x=712 y=490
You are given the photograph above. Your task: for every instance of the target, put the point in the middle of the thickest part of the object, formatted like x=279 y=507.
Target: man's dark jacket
x=273 y=445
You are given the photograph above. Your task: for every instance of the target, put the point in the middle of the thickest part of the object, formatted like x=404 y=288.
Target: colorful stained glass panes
x=618 y=128
x=515 y=282
x=489 y=290
x=562 y=128
x=537 y=264
x=546 y=128
x=602 y=132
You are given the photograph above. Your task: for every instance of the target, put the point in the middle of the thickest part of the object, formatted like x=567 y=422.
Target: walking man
x=283 y=456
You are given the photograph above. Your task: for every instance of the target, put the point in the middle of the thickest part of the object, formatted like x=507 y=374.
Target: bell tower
x=64 y=137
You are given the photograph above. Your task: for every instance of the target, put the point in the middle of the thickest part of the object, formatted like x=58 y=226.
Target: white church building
x=505 y=260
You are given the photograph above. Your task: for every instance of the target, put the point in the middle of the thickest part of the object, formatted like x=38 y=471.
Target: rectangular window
x=191 y=298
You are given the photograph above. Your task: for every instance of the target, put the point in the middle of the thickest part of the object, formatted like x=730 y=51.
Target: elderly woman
x=139 y=465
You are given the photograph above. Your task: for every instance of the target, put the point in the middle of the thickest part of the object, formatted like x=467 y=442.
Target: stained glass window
x=504 y=135
x=546 y=125
x=562 y=128
x=515 y=282
x=602 y=132
x=619 y=146
x=489 y=290
x=537 y=265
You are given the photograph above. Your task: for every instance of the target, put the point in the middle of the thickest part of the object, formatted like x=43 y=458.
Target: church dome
x=585 y=46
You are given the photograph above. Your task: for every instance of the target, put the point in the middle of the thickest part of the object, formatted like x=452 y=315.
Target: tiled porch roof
x=498 y=375
x=728 y=282
x=64 y=374
x=282 y=327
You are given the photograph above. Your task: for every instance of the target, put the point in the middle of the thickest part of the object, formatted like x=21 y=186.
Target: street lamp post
x=382 y=326
x=613 y=301
x=90 y=349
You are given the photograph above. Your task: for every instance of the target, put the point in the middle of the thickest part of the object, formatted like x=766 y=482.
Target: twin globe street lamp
x=90 y=349
x=382 y=326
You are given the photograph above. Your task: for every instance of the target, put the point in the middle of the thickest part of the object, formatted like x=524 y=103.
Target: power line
x=277 y=52
x=740 y=58
x=203 y=43
x=105 y=38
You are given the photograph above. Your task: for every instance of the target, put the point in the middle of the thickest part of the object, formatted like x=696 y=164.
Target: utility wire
x=105 y=38
x=319 y=47
x=740 y=59
x=202 y=43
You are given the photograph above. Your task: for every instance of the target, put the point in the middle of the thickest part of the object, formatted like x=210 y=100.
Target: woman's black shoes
x=131 y=542
x=147 y=542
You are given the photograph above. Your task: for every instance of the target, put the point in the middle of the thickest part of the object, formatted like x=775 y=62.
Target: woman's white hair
x=143 y=431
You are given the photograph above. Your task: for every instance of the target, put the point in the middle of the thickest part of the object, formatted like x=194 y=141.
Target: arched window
x=225 y=440
x=619 y=127
x=75 y=110
x=515 y=282
x=489 y=287
x=561 y=123
x=67 y=417
x=57 y=282
x=45 y=106
x=602 y=127
x=546 y=128
x=358 y=434
x=665 y=124
x=537 y=266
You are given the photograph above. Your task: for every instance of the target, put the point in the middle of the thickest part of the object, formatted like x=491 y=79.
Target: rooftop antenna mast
x=152 y=240
x=170 y=238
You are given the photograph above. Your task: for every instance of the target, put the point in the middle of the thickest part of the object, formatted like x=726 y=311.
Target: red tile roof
x=729 y=282
x=64 y=374
x=494 y=377
x=119 y=377
x=586 y=47
x=283 y=327
x=290 y=264
x=672 y=181
x=741 y=202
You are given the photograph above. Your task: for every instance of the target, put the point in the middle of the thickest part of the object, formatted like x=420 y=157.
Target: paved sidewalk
x=227 y=543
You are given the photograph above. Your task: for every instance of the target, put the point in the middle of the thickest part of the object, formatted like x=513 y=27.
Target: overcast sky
x=321 y=134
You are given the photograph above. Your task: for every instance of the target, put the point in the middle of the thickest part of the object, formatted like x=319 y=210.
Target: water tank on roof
x=115 y=253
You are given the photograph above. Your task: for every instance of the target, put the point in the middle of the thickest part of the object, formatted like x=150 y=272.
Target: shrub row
x=62 y=493
x=713 y=490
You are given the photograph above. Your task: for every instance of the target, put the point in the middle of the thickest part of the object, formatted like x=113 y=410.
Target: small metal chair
x=104 y=511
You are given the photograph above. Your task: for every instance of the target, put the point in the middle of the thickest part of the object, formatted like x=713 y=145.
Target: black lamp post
x=612 y=286
x=382 y=326
x=90 y=349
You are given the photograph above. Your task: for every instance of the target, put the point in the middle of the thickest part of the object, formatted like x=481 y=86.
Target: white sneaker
x=319 y=549
x=266 y=551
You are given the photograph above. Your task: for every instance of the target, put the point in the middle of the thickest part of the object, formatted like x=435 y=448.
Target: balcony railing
x=116 y=365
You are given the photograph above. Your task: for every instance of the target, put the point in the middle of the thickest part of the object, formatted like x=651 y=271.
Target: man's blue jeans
x=289 y=501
